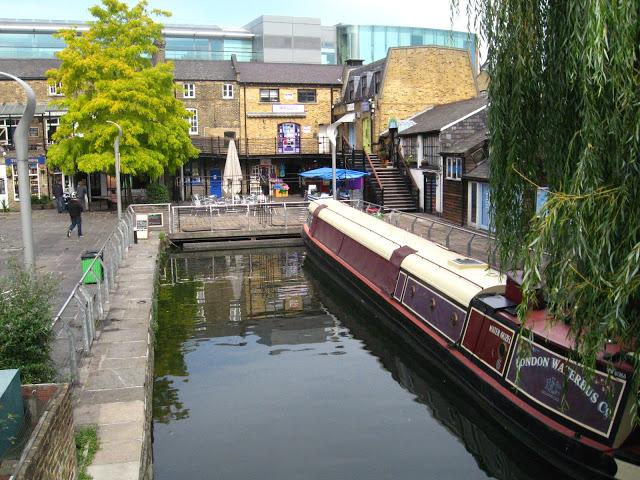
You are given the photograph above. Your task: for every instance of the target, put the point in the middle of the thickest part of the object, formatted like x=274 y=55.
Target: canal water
x=265 y=368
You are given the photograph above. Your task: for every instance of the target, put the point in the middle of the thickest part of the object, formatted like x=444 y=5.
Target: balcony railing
x=263 y=146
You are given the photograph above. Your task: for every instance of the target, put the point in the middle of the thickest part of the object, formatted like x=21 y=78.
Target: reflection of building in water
x=263 y=287
x=497 y=452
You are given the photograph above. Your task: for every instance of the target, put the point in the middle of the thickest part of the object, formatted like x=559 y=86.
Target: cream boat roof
x=430 y=263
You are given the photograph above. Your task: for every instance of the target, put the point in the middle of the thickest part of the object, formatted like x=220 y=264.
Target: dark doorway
x=430 y=185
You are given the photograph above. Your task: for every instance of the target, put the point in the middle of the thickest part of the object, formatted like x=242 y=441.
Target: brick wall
x=266 y=129
x=416 y=78
x=216 y=115
x=50 y=453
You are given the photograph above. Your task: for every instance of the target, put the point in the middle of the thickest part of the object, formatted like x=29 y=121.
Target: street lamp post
x=116 y=149
x=332 y=131
x=24 y=188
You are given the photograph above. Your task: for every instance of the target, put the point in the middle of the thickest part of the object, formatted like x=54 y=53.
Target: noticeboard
x=155 y=219
x=142 y=226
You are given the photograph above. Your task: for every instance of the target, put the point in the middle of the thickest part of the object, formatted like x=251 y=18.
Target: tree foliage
x=25 y=323
x=565 y=113
x=107 y=73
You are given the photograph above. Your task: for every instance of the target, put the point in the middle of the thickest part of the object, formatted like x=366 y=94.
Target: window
x=55 y=90
x=269 y=95
x=306 y=96
x=431 y=150
x=7 y=129
x=227 y=91
x=52 y=125
x=377 y=78
x=189 y=90
x=454 y=168
x=410 y=149
x=363 y=87
x=350 y=90
x=193 y=121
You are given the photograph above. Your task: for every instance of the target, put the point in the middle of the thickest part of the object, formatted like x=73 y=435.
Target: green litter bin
x=96 y=271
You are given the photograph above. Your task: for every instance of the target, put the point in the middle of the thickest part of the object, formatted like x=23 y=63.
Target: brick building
x=276 y=114
x=407 y=81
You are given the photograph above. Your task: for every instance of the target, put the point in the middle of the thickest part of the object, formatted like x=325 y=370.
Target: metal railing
x=76 y=323
x=240 y=217
x=467 y=242
x=262 y=146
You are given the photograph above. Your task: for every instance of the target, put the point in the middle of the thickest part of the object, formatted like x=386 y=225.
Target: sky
x=236 y=13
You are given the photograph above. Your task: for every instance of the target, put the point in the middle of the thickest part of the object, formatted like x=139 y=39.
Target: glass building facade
x=198 y=48
x=371 y=42
x=29 y=45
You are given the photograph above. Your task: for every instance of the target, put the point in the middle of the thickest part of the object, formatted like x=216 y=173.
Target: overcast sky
x=235 y=13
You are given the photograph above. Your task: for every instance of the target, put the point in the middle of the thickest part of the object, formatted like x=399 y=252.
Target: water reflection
x=264 y=370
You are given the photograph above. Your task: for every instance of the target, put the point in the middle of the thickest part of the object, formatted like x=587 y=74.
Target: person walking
x=75 y=212
x=58 y=195
x=81 y=193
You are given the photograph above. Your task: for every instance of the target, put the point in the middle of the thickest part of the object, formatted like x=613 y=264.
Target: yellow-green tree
x=107 y=73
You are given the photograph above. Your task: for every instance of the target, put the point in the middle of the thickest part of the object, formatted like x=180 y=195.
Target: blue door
x=484 y=206
x=216 y=182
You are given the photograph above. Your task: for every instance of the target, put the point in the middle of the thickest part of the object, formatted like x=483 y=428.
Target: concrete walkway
x=116 y=380
x=55 y=253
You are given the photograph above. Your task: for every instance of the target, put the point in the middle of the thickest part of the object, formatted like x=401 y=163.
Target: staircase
x=397 y=189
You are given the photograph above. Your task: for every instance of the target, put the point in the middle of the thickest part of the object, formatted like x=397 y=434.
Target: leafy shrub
x=157 y=193
x=25 y=323
x=86 y=448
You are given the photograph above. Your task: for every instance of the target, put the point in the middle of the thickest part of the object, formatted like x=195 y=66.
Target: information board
x=155 y=219
x=142 y=226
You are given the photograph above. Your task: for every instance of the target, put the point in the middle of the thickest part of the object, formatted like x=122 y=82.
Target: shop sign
x=279 y=108
x=365 y=107
x=351 y=107
x=306 y=129
x=288 y=96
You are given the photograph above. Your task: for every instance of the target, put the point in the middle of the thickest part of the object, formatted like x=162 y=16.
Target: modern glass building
x=371 y=42
x=266 y=39
x=35 y=39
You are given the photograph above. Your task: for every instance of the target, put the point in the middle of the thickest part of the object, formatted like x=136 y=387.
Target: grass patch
x=86 y=448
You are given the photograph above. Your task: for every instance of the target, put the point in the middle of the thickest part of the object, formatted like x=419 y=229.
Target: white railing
x=86 y=307
x=241 y=217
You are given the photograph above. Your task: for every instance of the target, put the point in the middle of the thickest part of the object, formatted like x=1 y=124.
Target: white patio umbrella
x=232 y=176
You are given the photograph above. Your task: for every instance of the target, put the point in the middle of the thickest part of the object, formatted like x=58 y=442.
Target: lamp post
x=21 y=138
x=332 y=131
x=116 y=149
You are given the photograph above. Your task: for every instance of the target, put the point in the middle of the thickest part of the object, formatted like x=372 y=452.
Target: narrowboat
x=465 y=313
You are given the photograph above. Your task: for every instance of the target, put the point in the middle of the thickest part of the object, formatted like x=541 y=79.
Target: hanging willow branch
x=565 y=113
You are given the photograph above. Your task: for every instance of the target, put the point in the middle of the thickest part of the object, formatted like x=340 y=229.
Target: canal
x=267 y=369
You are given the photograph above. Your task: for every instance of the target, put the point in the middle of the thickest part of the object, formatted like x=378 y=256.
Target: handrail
x=90 y=270
x=85 y=307
x=375 y=174
x=407 y=171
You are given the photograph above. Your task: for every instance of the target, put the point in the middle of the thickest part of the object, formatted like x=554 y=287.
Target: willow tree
x=107 y=74
x=564 y=113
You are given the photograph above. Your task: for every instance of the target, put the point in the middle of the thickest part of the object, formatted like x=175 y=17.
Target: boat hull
x=576 y=456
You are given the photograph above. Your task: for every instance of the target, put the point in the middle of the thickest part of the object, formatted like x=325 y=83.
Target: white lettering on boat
x=504 y=336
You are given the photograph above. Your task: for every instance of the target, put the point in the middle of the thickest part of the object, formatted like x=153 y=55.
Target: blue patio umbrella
x=325 y=173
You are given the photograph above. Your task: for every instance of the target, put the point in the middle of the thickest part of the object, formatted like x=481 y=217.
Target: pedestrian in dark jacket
x=58 y=194
x=75 y=212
